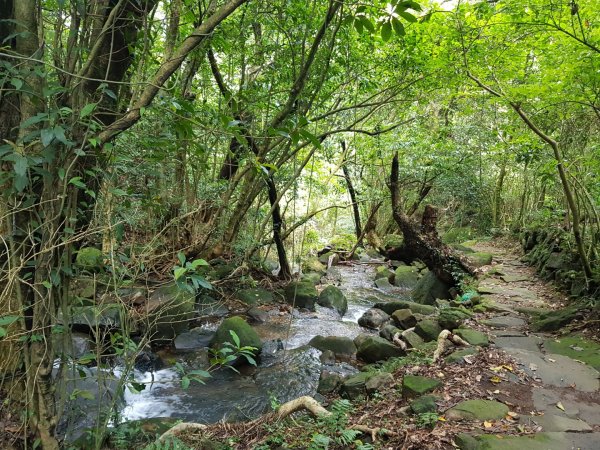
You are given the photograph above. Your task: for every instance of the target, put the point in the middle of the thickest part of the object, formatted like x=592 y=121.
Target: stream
x=288 y=368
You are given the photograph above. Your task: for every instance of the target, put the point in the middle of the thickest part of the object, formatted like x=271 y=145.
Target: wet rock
x=83 y=288
x=255 y=296
x=332 y=297
x=222 y=270
x=415 y=385
x=451 y=318
x=428 y=330
x=362 y=337
x=208 y=306
x=329 y=382
x=373 y=318
x=557 y=261
x=412 y=339
x=194 y=339
x=429 y=288
x=89 y=318
x=245 y=333
x=477 y=410
x=383 y=283
x=388 y=331
x=375 y=348
x=390 y=307
x=339 y=345
x=404 y=318
x=378 y=382
x=406 y=277
x=301 y=294
x=424 y=404
x=168 y=312
x=78 y=345
x=473 y=337
x=257 y=315
x=458 y=355
x=311 y=277
x=384 y=272
x=148 y=361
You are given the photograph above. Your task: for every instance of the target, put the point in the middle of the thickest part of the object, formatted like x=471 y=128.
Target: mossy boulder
x=415 y=385
x=473 y=337
x=325 y=257
x=301 y=294
x=429 y=288
x=390 y=307
x=406 y=277
x=373 y=318
x=355 y=386
x=255 y=296
x=311 y=277
x=333 y=297
x=384 y=272
x=375 y=348
x=168 y=312
x=428 y=330
x=388 y=332
x=221 y=270
x=537 y=441
x=379 y=381
x=424 y=404
x=245 y=333
x=451 y=318
x=404 y=318
x=555 y=320
x=479 y=259
x=90 y=259
x=412 y=339
x=477 y=410
x=457 y=357
x=338 y=345
x=575 y=347
x=313 y=264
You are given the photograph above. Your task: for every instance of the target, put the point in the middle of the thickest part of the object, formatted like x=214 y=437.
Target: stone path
x=565 y=397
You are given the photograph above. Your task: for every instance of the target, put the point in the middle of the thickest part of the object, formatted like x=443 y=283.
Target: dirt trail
x=563 y=399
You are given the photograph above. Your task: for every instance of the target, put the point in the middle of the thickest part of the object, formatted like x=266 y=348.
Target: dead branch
x=443 y=342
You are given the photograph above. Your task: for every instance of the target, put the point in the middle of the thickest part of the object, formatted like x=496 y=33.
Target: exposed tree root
x=373 y=431
x=443 y=342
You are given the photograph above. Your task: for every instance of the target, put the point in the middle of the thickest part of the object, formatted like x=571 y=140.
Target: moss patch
x=577 y=348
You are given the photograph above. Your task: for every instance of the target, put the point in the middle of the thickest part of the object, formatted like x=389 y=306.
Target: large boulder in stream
x=373 y=318
x=255 y=296
x=390 y=307
x=406 y=277
x=333 y=297
x=429 y=288
x=168 y=312
x=301 y=294
x=375 y=348
x=340 y=346
x=245 y=333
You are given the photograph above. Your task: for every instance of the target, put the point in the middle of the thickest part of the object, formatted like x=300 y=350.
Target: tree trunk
x=423 y=242
x=352 y=192
x=284 y=271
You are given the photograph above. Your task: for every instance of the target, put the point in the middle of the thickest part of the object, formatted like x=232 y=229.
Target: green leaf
x=87 y=110
x=386 y=31
x=21 y=163
x=367 y=24
x=76 y=181
x=179 y=272
x=200 y=373
x=398 y=27
x=198 y=262
x=185 y=382
x=2 y=332
x=407 y=16
x=47 y=135
x=181 y=258
x=17 y=83
x=47 y=284
x=358 y=25
x=234 y=336
x=118 y=192
x=311 y=137
x=410 y=4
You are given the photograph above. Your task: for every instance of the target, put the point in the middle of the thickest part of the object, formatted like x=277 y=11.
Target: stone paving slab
x=552 y=422
x=546 y=400
x=530 y=343
x=504 y=322
x=557 y=370
x=539 y=441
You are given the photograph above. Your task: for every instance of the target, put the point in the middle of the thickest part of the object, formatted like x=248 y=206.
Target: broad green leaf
x=179 y=272
x=185 y=382
x=47 y=135
x=398 y=27
x=407 y=16
x=386 y=31
x=234 y=336
x=87 y=110
x=17 y=83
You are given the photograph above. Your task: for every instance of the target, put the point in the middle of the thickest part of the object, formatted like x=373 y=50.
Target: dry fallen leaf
x=551 y=360
x=497 y=391
x=560 y=406
x=495 y=380
x=487 y=424
x=513 y=414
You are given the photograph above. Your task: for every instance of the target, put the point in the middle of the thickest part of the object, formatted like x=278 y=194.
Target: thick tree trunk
x=421 y=241
x=284 y=271
x=353 y=199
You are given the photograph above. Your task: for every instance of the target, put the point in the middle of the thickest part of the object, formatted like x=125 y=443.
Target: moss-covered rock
x=373 y=318
x=538 y=441
x=388 y=332
x=414 y=385
x=390 y=307
x=326 y=257
x=428 y=330
x=255 y=296
x=477 y=410
x=555 y=320
x=90 y=259
x=245 y=333
x=384 y=272
x=356 y=386
x=404 y=318
x=168 y=312
x=311 y=277
x=424 y=404
x=458 y=355
x=473 y=337
x=333 y=297
x=301 y=294
x=336 y=344
x=429 y=288
x=375 y=348
x=451 y=318
x=412 y=339
x=313 y=264
x=406 y=277
x=575 y=347
x=378 y=382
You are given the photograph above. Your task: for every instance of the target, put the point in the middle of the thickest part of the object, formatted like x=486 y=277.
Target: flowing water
x=288 y=368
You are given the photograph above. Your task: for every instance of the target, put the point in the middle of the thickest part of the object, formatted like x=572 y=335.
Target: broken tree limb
x=443 y=342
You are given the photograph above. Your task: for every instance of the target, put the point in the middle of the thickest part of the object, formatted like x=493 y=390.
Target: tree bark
x=284 y=271
x=353 y=199
x=423 y=242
